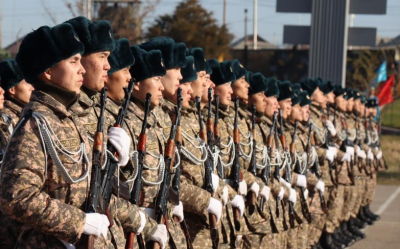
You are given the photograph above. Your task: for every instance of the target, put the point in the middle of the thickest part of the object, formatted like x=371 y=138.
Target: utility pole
x=89 y=9
x=1 y=16
x=245 y=39
x=224 y=13
x=255 y=31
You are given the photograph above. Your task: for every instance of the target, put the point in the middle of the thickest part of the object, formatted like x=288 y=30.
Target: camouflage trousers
x=318 y=218
x=348 y=202
x=297 y=237
x=357 y=196
x=335 y=207
x=199 y=232
x=369 y=190
x=279 y=240
x=176 y=235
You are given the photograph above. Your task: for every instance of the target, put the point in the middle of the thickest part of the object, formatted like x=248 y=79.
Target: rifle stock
x=252 y=199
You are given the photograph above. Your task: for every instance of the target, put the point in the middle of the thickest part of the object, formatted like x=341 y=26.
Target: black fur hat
x=257 y=83
x=45 y=47
x=10 y=74
x=338 y=91
x=147 y=64
x=96 y=36
x=121 y=57
x=310 y=85
x=326 y=87
x=296 y=99
x=189 y=73
x=200 y=61
x=285 y=91
x=305 y=98
x=221 y=72
x=238 y=69
x=272 y=88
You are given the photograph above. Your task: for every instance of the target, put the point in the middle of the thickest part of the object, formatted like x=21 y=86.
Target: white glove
x=370 y=155
x=379 y=155
x=306 y=194
x=215 y=181
x=178 y=211
x=285 y=182
x=67 y=245
x=321 y=186
x=225 y=195
x=293 y=196
x=160 y=235
x=361 y=154
x=346 y=157
x=301 y=181
x=255 y=188
x=330 y=127
x=330 y=156
x=265 y=193
x=215 y=208
x=334 y=150
x=238 y=202
x=281 y=193
x=242 y=188
x=96 y=224
x=350 y=150
x=121 y=142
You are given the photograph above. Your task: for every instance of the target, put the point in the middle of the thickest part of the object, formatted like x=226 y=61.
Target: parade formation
x=109 y=145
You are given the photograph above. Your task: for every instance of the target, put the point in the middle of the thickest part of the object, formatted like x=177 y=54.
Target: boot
x=359 y=223
x=326 y=241
x=346 y=233
x=354 y=230
x=364 y=218
x=348 y=240
x=338 y=239
x=371 y=215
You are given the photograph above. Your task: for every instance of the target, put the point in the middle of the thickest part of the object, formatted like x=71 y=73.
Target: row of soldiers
x=107 y=145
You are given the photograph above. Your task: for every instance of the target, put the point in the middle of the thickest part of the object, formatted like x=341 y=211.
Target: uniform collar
x=14 y=105
x=47 y=100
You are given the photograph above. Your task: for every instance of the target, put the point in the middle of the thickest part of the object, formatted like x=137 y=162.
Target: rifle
x=112 y=163
x=345 y=143
x=235 y=171
x=288 y=173
x=208 y=169
x=332 y=165
x=169 y=153
x=141 y=149
x=317 y=172
x=253 y=167
x=217 y=133
x=92 y=205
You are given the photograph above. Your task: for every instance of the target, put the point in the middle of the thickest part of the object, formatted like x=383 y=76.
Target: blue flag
x=382 y=75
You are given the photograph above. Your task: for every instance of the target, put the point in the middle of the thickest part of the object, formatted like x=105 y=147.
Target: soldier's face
x=272 y=106
x=319 y=98
x=286 y=106
x=306 y=113
x=151 y=85
x=330 y=97
x=241 y=89
x=225 y=93
x=67 y=74
x=357 y=105
x=296 y=113
x=96 y=66
x=22 y=91
x=199 y=85
x=187 y=93
x=116 y=82
x=350 y=104
x=209 y=83
x=259 y=101
x=341 y=103
x=362 y=110
x=171 y=81
x=1 y=98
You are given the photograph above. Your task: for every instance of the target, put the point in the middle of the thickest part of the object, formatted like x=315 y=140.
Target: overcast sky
x=21 y=16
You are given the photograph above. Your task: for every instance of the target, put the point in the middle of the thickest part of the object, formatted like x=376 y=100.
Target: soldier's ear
x=47 y=74
x=11 y=91
x=136 y=87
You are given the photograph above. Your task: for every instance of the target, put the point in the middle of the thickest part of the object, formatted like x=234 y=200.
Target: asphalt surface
x=385 y=233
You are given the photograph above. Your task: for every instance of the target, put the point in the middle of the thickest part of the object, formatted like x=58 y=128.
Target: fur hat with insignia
x=272 y=88
x=349 y=93
x=200 y=61
x=356 y=94
x=305 y=99
x=257 y=83
x=96 y=36
x=296 y=87
x=296 y=99
x=174 y=54
x=339 y=91
x=238 y=69
x=221 y=72
x=363 y=99
x=45 y=47
x=10 y=74
x=326 y=87
x=121 y=57
x=310 y=85
x=147 y=64
x=208 y=69
x=189 y=73
x=371 y=103
x=285 y=91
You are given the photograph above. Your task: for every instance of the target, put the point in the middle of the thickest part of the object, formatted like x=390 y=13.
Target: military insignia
x=76 y=37
x=70 y=143
x=295 y=95
x=308 y=97
x=205 y=59
x=193 y=67
x=230 y=69
x=241 y=65
x=290 y=89
x=162 y=64
x=109 y=32
x=344 y=94
x=358 y=94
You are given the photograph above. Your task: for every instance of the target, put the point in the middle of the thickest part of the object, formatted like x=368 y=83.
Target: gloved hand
x=215 y=208
x=370 y=155
x=255 y=188
x=330 y=127
x=215 y=181
x=160 y=235
x=142 y=222
x=281 y=193
x=330 y=156
x=265 y=193
x=178 y=211
x=225 y=195
x=361 y=154
x=306 y=194
x=121 y=142
x=242 y=188
x=301 y=181
x=293 y=196
x=96 y=224
x=321 y=186
x=346 y=157
x=238 y=202
x=334 y=150
x=379 y=155
x=284 y=182
x=350 y=150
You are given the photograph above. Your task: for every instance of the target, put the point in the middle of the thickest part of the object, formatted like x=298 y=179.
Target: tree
x=192 y=24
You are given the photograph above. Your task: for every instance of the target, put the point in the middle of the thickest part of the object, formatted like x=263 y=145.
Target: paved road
x=385 y=233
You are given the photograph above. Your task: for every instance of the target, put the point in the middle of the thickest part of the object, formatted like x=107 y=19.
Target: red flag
x=385 y=95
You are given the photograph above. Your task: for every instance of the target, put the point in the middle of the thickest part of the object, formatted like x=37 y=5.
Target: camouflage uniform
x=157 y=133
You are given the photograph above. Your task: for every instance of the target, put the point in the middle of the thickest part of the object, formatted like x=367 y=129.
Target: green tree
x=196 y=27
